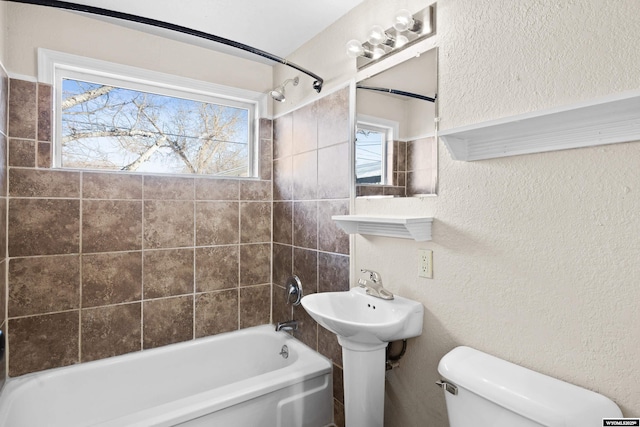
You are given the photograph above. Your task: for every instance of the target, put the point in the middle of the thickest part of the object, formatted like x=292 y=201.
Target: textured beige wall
x=31 y=27
x=535 y=257
x=3 y=30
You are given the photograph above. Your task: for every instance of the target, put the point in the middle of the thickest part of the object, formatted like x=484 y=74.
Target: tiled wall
x=4 y=103
x=414 y=170
x=311 y=183
x=102 y=264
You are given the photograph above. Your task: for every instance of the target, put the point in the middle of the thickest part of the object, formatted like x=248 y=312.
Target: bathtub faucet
x=291 y=325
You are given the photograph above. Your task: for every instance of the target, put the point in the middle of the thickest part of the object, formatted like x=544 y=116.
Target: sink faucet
x=373 y=285
x=290 y=325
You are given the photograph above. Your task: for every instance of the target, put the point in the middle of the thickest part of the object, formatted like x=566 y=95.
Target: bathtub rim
x=321 y=366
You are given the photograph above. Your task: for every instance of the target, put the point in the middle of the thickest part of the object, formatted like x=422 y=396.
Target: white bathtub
x=237 y=379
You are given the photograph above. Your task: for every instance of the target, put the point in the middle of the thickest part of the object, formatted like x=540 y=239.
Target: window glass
x=371 y=149
x=115 y=128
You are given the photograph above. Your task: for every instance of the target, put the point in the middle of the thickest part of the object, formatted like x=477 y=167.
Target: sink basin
x=363 y=319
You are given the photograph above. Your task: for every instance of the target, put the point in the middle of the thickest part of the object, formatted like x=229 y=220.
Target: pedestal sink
x=364 y=325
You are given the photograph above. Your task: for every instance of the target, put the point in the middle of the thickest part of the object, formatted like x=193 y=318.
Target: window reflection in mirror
x=405 y=164
x=372 y=146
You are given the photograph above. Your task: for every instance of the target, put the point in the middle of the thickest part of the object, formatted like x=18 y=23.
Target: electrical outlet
x=425 y=263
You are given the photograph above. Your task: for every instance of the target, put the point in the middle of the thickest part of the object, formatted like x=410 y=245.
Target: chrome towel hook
x=293 y=290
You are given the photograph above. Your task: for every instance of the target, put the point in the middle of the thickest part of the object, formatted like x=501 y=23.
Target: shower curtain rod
x=398 y=92
x=317 y=84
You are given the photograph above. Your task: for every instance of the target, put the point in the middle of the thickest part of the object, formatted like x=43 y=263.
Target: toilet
x=484 y=391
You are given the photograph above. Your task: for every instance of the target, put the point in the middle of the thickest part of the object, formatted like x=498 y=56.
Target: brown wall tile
x=217 y=223
x=283 y=222
x=305 y=266
x=111 y=278
x=217 y=189
x=420 y=182
x=282 y=264
x=44 y=285
x=308 y=328
x=305 y=223
x=255 y=264
x=111 y=186
x=333 y=118
x=168 y=224
x=217 y=268
x=338 y=384
x=157 y=331
x=255 y=222
x=168 y=272
x=305 y=173
x=4 y=100
x=255 y=190
x=43 y=183
x=110 y=331
x=45 y=105
x=334 y=180
x=22 y=109
x=3 y=229
x=334 y=272
x=216 y=312
x=283 y=136
x=22 y=152
x=57 y=333
x=266 y=129
x=282 y=311
x=43 y=227
x=305 y=128
x=254 y=306
x=338 y=413
x=43 y=157
x=4 y=161
x=3 y=300
x=332 y=238
x=168 y=188
x=328 y=346
x=283 y=179
x=265 y=166
x=111 y=225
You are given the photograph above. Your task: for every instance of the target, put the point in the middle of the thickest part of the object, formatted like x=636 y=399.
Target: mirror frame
x=377 y=68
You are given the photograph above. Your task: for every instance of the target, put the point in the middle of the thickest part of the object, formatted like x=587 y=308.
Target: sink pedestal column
x=364 y=380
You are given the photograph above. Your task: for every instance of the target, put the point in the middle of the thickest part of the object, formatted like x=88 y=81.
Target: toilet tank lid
x=541 y=398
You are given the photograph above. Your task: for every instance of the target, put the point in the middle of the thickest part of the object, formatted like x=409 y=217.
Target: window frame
x=55 y=66
x=390 y=130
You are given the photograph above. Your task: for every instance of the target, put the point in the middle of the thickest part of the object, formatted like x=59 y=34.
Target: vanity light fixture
x=407 y=28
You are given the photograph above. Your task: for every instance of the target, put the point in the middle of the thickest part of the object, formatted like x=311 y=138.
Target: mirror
x=396 y=145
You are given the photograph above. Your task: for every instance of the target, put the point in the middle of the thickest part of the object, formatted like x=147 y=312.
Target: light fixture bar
x=380 y=43
x=317 y=84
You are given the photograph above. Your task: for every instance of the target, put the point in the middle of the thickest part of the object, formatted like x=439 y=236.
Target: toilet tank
x=492 y=392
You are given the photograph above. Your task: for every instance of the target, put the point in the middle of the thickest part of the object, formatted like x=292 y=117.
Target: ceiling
x=275 y=26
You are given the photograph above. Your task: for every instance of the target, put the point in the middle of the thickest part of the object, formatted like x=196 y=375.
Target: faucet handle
x=374 y=276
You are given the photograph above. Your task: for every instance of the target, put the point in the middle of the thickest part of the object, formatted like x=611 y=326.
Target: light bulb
x=403 y=21
x=355 y=49
x=401 y=41
x=377 y=35
x=377 y=52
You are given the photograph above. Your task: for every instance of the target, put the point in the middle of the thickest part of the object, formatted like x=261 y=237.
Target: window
x=372 y=150
x=113 y=117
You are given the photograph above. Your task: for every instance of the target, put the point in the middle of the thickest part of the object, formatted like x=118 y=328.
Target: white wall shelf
x=416 y=228
x=604 y=121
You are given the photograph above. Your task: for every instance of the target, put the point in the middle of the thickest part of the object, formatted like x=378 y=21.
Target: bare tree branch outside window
x=106 y=127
